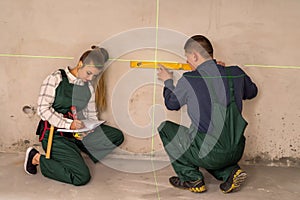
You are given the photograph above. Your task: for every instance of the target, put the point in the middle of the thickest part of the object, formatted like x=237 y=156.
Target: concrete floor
x=110 y=184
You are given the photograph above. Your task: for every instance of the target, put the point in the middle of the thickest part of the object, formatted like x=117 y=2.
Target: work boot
x=233 y=183
x=193 y=186
x=28 y=166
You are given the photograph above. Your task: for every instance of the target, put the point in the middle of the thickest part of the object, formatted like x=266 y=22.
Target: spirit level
x=168 y=65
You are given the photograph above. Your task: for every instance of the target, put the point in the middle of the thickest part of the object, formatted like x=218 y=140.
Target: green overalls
x=66 y=163
x=218 y=151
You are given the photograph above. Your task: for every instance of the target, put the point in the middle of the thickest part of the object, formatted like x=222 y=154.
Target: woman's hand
x=77 y=124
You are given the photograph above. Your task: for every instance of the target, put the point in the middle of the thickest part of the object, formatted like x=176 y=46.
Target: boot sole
x=239 y=177
x=198 y=189
x=195 y=190
x=26 y=160
x=192 y=189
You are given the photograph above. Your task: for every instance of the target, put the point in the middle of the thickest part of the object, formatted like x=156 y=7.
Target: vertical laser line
x=153 y=99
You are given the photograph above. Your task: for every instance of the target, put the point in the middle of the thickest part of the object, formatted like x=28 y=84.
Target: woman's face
x=88 y=73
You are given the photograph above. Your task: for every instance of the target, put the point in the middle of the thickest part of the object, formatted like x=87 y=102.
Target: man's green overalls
x=218 y=152
x=66 y=163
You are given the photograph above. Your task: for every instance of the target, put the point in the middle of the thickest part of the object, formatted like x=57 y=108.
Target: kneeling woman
x=59 y=92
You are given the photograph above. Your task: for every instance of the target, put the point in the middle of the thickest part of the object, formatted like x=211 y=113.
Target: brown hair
x=200 y=44
x=100 y=93
x=97 y=57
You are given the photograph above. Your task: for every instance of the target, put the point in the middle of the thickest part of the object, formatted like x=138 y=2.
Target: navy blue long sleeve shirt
x=208 y=82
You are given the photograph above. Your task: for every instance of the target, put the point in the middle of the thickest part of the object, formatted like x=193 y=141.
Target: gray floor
x=110 y=184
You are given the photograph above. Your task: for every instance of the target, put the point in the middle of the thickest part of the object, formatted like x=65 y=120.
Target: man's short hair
x=200 y=44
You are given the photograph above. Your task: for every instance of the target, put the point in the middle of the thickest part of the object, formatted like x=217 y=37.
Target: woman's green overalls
x=66 y=163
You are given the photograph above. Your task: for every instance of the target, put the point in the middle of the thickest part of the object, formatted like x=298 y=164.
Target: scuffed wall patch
x=265 y=159
x=19 y=146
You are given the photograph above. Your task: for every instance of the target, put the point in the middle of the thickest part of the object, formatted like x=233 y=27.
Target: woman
x=59 y=92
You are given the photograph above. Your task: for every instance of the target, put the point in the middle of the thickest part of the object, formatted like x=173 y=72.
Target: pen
x=74 y=113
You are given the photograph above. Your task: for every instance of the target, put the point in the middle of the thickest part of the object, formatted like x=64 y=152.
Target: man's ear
x=196 y=57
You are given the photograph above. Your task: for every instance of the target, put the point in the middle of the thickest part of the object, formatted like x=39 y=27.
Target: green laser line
x=134 y=60
x=274 y=66
x=71 y=58
x=129 y=60
x=214 y=77
x=247 y=65
x=153 y=100
x=119 y=60
x=31 y=56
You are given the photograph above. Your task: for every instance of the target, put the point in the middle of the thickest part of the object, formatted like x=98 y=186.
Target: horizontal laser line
x=274 y=66
x=32 y=56
x=70 y=58
x=130 y=60
x=134 y=60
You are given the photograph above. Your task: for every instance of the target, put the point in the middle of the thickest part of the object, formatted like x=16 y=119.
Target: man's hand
x=164 y=74
x=219 y=62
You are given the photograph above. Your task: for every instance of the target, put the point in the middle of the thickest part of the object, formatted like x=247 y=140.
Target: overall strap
x=230 y=83
x=63 y=73
x=210 y=86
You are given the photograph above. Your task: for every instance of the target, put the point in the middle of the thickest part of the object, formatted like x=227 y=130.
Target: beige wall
x=264 y=32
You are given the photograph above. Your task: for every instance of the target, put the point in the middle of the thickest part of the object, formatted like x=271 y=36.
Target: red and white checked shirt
x=47 y=96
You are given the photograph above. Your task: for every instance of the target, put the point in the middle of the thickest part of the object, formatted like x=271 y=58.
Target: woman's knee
x=114 y=136
x=82 y=179
x=119 y=139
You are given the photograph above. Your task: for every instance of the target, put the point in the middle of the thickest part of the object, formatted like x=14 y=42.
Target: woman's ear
x=80 y=64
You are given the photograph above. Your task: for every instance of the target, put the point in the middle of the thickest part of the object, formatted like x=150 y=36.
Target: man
x=213 y=95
